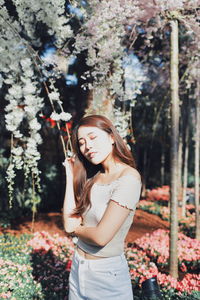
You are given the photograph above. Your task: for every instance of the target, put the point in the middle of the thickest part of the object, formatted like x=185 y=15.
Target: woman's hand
x=72 y=224
x=68 y=164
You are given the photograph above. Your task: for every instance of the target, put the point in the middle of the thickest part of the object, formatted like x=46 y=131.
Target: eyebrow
x=92 y=132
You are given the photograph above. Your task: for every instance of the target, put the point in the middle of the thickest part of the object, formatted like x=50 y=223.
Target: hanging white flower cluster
x=134 y=77
x=33 y=105
x=101 y=36
x=53 y=12
x=122 y=122
x=63 y=116
x=176 y=5
x=106 y=24
x=14 y=116
x=17 y=153
x=24 y=73
x=24 y=105
x=11 y=174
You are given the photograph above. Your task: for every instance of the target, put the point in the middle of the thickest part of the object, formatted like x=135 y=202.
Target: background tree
x=174 y=149
x=197 y=149
x=101 y=37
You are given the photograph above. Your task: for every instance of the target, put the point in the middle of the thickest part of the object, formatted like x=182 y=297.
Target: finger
x=65 y=162
x=73 y=159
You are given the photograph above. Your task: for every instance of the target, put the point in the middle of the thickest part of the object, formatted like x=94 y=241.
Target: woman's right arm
x=70 y=223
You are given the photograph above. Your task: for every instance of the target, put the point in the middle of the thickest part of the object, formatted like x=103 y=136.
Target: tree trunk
x=173 y=251
x=162 y=169
x=180 y=162
x=185 y=170
x=143 y=193
x=100 y=102
x=197 y=144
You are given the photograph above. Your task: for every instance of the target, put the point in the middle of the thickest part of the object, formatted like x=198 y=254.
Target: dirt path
x=144 y=222
x=52 y=222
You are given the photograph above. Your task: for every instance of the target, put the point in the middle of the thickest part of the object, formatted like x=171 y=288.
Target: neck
x=111 y=166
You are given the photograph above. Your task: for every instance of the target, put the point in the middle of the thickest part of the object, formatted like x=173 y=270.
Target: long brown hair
x=84 y=171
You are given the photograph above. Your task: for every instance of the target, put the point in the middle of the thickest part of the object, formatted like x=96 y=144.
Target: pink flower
x=68 y=265
x=5 y=295
x=156 y=246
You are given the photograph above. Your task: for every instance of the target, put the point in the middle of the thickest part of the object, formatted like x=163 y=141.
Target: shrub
x=51 y=261
x=156 y=246
x=160 y=194
x=154 y=208
x=186 y=225
x=37 y=267
x=16 y=278
x=140 y=266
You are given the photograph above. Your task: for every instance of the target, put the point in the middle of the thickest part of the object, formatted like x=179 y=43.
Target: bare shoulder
x=131 y=171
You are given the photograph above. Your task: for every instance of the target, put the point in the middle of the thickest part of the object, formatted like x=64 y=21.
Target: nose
x=88 y=144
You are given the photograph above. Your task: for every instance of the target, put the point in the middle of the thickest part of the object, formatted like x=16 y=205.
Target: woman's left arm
x=112 y=220
x=123 y=199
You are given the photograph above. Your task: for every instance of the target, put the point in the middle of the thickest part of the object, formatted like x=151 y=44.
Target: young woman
x=102 y=191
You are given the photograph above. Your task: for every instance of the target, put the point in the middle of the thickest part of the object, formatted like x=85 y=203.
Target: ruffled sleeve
x=127 y=191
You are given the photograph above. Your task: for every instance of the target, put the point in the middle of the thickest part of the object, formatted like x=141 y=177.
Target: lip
x=92 y=154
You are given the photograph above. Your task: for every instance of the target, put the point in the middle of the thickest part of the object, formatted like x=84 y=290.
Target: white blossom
x=55 y=116
x=1 y=81
x=54 y=96
x=18 y=162
x=15 y=91
x=11 y=127
x=10 y=176
x=10 y=171
x=121 y=122
x=12 y=105
x=31 y=110
x=35 y=125
x=37 y=137
x=17 y=134
x=17 y=151
x=65 y=116
x=29 y=88
x=13 y=119
x=26 y=63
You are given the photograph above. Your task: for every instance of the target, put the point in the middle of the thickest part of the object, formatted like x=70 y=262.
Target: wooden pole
x=173 y=252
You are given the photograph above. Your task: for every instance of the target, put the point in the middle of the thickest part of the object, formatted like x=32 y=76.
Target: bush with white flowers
x=24 y=76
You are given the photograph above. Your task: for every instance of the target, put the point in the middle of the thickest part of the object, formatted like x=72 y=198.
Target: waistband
x=98 y=262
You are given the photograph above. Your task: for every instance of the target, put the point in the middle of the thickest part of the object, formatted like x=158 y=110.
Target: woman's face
x=95 y=144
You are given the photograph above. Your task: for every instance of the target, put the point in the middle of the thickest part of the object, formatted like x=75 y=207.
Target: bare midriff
x=87 y=255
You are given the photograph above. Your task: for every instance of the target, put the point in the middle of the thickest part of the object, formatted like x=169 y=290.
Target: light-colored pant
x=100 y=279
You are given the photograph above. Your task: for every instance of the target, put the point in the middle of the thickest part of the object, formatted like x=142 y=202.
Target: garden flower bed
x=156 y=246
x=186 y=224
x=37 y=266
x=142 y=268
x=16 y=278
x=154 y=208
x=160 y=194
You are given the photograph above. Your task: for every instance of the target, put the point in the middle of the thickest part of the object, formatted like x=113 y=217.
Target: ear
x=112 y=139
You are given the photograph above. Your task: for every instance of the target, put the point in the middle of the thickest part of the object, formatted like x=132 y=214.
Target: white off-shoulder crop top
x=126 y=192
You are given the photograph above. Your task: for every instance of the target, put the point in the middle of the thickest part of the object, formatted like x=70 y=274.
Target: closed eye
x=81 y=143
x=93 y=137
